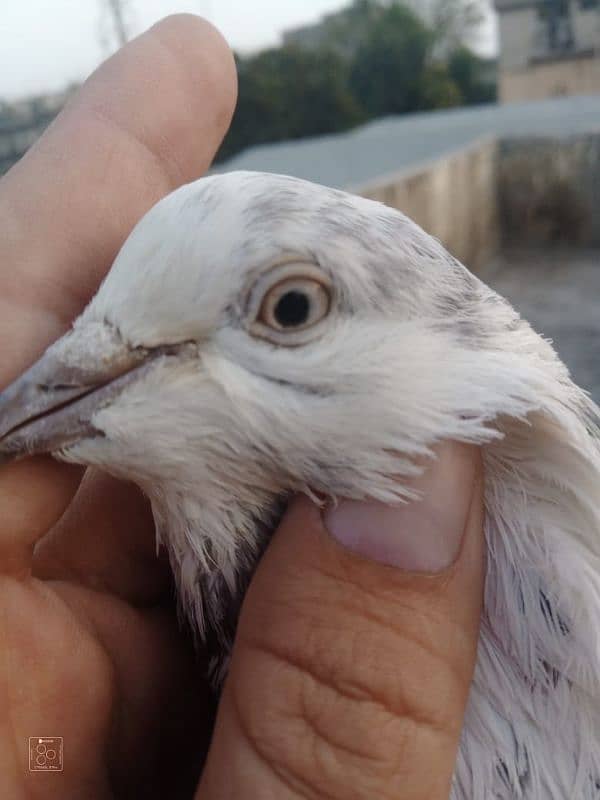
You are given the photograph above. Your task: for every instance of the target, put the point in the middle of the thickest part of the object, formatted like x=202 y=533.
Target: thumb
x=356 y=648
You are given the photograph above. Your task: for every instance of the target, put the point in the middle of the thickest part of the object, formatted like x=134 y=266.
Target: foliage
x=386 y=71
x=455 y=21
x=347 y=31
x=472 y=75
x=378 y=57
x=437 y=89
x=286 y=93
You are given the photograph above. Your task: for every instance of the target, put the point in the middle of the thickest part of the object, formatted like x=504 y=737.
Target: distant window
x=550 y=9
x=556 y=19
x=586 y=5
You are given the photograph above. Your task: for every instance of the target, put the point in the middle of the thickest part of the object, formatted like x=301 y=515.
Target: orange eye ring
x=294 y=303
x=289 y=304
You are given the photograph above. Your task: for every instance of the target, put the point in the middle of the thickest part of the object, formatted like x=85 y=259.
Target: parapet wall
x=549 y=191
x=454 y=199
x=531 y=191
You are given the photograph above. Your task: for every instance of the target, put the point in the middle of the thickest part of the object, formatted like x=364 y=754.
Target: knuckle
x=340 y=706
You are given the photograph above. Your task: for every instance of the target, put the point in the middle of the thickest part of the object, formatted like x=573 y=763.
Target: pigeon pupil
x=292 y=309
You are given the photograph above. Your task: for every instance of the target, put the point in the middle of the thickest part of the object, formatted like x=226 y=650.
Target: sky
x=46 y=44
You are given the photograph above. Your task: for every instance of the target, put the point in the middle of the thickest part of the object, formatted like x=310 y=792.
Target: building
x=22 y=122
x=548 y=48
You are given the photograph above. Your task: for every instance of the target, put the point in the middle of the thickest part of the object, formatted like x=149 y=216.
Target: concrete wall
x=579 y=75
x=586 y=26
x=530 y=70
x=454 y=199
x=517 y=29
x=524 y=33
x=549 y=191
x=529 y=192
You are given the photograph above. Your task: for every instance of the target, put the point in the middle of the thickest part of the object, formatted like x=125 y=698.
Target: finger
x=148 y=120
x=105 y=541
x=349 y=676
x=32 y=498
x=161 y=725
x=119 y=686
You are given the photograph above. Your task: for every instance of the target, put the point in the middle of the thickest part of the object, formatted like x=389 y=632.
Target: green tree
x=348 y=30
x=288 y=92
x=455 y=23
x=452 y=22
x=386 y=73
x=473 y=75
x=438 y=89
x=377 y=57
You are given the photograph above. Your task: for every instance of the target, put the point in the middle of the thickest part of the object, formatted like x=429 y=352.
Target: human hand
x=349 y=677
x=90 y=645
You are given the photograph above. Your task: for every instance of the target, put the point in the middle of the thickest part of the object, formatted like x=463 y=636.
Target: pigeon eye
x=287 y=303
x=294 y=304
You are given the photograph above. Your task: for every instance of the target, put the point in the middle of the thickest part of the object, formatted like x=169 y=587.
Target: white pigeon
x=259 y=336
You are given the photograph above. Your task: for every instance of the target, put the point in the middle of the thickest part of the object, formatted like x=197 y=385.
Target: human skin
x=349 y=676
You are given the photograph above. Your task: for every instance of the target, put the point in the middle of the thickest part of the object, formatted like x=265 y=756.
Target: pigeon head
x=259 y=332
x=258 y=336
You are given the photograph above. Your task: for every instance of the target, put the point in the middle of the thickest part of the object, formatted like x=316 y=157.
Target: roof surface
x=391 y=144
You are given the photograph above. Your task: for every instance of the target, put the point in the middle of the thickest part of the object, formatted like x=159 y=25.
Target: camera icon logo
x=45 y=753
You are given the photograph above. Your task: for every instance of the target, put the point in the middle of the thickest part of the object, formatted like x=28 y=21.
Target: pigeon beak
x=51 y=406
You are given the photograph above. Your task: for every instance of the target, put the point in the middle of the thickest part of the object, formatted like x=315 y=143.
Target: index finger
x=148 y=120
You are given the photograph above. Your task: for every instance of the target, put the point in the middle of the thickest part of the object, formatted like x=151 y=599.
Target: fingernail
x=423 y=535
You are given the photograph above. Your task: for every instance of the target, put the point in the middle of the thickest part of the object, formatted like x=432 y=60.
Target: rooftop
x=394 y=144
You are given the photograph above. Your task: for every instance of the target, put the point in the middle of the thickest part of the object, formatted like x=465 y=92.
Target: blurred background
x=478 y=118
x=306 y=67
